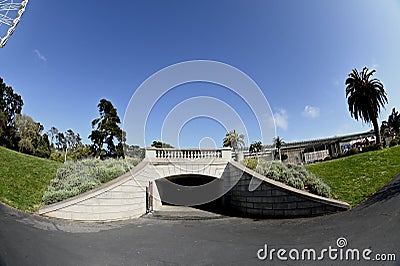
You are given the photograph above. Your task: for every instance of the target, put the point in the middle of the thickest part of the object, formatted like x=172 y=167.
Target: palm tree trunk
x=376 y=130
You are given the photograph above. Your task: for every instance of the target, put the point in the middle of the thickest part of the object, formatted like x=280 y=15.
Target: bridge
x=195 y=176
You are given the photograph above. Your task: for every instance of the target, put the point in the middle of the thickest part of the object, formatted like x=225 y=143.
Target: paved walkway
x=182 y=213
x=31 y=240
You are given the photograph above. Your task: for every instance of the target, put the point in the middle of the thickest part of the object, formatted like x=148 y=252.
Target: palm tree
x=365 y=97
x=278 y=142
x=394 y=121
x=234 y=140
x=255 y=147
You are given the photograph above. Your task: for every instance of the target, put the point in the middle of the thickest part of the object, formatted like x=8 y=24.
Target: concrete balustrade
x=172 y=153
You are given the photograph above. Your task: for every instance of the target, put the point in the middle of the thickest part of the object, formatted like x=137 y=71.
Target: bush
x=293 y=175
x=295 y=182
x=250 y=163
x=74 y=178
x=57 y=157
x=372 y=147
x=394 y=142
x=317 y=186
x=352 y=152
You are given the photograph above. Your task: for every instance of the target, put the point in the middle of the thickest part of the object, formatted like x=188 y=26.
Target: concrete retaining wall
x=125 y=197
x=120 y=199
x=274 y=199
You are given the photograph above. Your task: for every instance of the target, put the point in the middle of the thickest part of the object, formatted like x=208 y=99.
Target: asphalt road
x=32 y=240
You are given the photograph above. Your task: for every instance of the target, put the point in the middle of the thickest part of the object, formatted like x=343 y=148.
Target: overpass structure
x=216 y=174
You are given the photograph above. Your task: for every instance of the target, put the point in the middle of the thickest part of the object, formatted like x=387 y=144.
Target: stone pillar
x=226 y=153
x=150 y=152
x=240 y=156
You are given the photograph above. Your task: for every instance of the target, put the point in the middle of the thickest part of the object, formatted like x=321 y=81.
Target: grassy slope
x=23 y=179
x=355 y=178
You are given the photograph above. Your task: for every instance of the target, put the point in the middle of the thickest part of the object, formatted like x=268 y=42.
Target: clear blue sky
x=65 y=56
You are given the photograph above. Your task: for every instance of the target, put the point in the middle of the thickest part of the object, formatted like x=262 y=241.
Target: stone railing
x=190 y=153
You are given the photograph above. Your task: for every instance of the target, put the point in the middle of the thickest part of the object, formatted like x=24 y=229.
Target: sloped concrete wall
x=274 y=199
x=125 y=197
x=122 y=198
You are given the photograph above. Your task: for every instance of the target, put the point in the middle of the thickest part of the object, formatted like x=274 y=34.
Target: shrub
x=352 y=152
x=250 y=163
x=394 y=142
x=296 y=183
x=372 y=147
x=74 y=178
x=56 y=157
x=317 y=186
x=293 y=175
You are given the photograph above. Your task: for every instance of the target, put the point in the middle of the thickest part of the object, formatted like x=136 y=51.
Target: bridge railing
x=190 y=153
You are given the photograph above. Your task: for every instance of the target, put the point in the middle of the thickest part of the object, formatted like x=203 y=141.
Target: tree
x=106 y=130
x=61 y=141
x=365 y=97
x=160 y=144
x=278 y=143
x=384 y=130
x=31 y=140
x=53 y=134
x=134 y=151
x=394 y=121
x=10 y=106
x=234 y=140
x=255 y=147
x=72 y=142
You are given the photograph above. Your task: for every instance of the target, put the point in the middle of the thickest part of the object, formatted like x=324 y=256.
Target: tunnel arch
x=171 y=189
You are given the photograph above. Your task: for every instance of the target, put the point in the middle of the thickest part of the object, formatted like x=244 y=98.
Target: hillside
x=355 y=178
x=23 y=179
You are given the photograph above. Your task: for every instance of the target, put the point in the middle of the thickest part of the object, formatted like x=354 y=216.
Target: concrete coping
x=96 y=191
x=303 y=193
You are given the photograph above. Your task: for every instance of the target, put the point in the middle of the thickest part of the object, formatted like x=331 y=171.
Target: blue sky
x=64 y=58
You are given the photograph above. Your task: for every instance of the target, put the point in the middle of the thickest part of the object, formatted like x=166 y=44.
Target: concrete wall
x=125 y=197
x=274 y=199
x=120 y=199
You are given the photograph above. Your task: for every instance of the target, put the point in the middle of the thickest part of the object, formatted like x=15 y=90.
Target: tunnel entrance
x=190 y=180
x=188 y=188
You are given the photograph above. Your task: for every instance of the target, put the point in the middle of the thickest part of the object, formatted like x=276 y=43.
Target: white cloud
x=281 y=119
x=40 y=56
x=311 y=111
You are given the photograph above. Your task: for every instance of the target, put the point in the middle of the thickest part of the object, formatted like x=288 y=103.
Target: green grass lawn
x=23 y=179
x=355 y=178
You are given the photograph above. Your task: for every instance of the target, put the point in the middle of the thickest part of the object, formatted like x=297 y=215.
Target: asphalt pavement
x=186 y=237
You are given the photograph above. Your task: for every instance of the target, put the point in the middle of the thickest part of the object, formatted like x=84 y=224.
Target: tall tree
x=234 y=140
x=31 y=140
x=278 y=143
x=106 y=130
x=61 y=141
x=365 y=97
x=255 y=147
x=10 y=106
x=394 y=121
x=72 y=142
x=160 y=144
x=53 y=134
